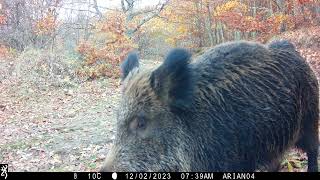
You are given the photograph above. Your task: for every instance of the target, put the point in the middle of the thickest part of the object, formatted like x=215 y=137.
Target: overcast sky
x=69 y=8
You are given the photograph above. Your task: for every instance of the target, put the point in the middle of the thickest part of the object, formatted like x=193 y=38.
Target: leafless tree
x=21 y=17
x=128 y=7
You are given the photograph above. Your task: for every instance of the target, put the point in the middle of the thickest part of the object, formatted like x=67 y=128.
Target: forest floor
x=70 y=129
x=57 y=130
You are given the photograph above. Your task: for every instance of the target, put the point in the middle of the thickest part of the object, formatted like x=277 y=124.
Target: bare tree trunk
x=209 y=25
x=86 y=28
x=95 y=5
x=282 y=5
x=217 y=29
x=222 y=32
x=237 y=35
x=254 y=16
x=127 y=8
x=198 y=24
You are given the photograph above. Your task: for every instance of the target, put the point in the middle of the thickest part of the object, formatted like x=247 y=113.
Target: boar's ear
x=128 y=64
x=172 y=81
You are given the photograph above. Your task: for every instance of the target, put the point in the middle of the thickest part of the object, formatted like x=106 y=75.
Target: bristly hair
x=173 y=80
x=282 y=44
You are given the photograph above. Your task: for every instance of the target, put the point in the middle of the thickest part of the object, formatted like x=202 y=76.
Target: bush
x=43 y=68
x=106 y=48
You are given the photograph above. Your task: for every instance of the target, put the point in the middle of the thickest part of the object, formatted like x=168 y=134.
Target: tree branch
x=155 y=14
x=95 y=5
x=123 y=6
x=145 y=11
x=276 y=3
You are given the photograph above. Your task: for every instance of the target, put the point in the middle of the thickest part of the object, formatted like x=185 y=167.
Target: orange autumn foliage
x=109 y=45
x=46 y=25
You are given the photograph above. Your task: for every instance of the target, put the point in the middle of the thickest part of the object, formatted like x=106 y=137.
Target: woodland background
x=59 y=65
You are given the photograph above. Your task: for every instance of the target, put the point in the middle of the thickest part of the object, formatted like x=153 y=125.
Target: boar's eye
x=141 y=123
x=138 y=123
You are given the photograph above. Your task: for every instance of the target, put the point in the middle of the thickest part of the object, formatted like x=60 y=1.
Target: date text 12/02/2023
x=189 y=175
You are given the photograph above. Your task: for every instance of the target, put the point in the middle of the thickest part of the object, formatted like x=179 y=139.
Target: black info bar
x=157 y=175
